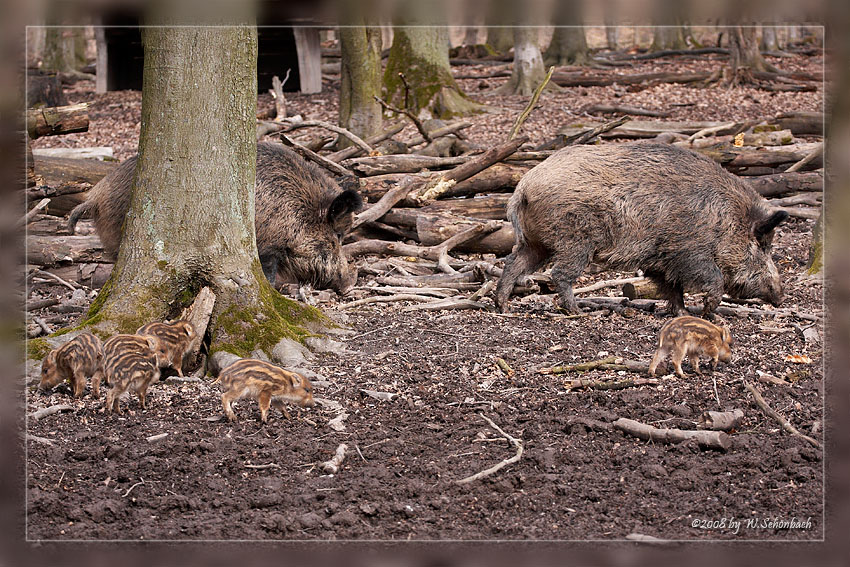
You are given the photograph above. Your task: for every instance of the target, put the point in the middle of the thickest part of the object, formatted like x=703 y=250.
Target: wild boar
x=301 y=216
x=264 y=382
x=131 y=361
x=676 y=215
x=692 y=337
x=175 y=337
x=75 y=360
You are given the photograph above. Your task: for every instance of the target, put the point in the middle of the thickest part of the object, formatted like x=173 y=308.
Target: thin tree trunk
x=191 y=218
x=528 y=70
x=360 y=78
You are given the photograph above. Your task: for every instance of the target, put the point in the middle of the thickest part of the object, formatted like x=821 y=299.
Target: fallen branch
x=263 y=467
x=461 y=238
x=24 y=220
x=705 y=439
x=624 y=109
x=293 y=124
x=721 y=420
x=277 y=94
x=332 y=466
x=386 y=299
x=769 y=411
x=50 y=411
x=155 y=438
x=609 y=384
x=498 y=466
x=57 y=120
x=448 y=304
x=813 y=155
x=316 y=158
x=37 y=272
x=352 y=151
x=418 y=123
x=579 y=367
x=523 y=116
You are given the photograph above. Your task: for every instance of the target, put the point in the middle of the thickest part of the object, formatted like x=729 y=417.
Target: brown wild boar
x=264 y=382
x=301 y=216
x=692 y=337
x=131 y=362
x=175 y=337
x=676 y=215
x=76 y=360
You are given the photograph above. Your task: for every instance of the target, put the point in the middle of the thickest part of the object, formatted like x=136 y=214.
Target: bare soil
x=98 y=477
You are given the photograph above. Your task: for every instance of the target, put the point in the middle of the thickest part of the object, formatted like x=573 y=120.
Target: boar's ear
x=346 y=203
x=766 y=225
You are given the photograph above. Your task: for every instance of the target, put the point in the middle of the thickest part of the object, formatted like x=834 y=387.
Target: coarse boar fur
x=176 y=338
x=131 y=362
x=301 y=216
x=692 y=337
x=76 y=360
x=264 y=382
x=676 y=215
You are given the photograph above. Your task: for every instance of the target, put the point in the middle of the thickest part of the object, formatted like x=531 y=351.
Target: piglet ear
x=153 y=342
x=346 y=203
x=766 y=225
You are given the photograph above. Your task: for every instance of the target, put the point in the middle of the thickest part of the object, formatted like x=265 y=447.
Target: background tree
x=744 y=55
x=528 y=70
x=191 y=218
x=769 y=40
x=500 y=36
x=360 y=75
x=568 y=45
x=422 y=55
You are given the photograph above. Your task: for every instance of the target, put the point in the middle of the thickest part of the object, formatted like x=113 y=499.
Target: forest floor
x=91 y=476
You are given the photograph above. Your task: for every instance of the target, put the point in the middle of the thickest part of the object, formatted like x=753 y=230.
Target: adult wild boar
x=301 y=216
x=678 y=216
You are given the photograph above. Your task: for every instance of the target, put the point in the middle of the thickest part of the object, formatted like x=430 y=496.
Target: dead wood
x=58 y=172
x=58 y=120
x=463 y=237
x=579 y=367
x=432 y=229
x=705 y=439
x=332 y=466
x=388 y=201
x=783 y=183
x=42 y=191
x=770 y=379
x=582 y=136
x=24 y=220
x=198 y=314
x=608 y=384
x=310 y=155
x=500 y=465
x=386 y=299
x=36 y=304
x=816 y=153
x=802 y=123
x=32 y=272
x=52 y=251
x=44 y=412
x=641 y=289
x=277 y=94
x=607 y=79
x=90 y=274
x=770 y=412
x=400 y=163
x=352 y=151
x=292 y=124
x=804 y=199
x=441 y=132
x=739 y=159
x=404 y=112
x=721 y=420
x=448 y=304
x=670 y=53
x=624 y=109
x=802 y=212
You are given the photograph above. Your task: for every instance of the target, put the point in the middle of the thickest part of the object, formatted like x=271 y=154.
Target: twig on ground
x=705 y=439
x=579 y=367
x=523 y=116
x=721 y=420
x=498 y=466
x=332 y=466
x=37 y=272
x=126 y=494
x=50 y=411
x=293 y=124
x=711 y=130
x=386 y=299
x=609 y=384
x=263 y=467
x=770 y=412
x=47 y=329
x=23 y=221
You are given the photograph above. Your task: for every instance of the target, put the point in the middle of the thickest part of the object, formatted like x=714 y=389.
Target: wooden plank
x=309 y=52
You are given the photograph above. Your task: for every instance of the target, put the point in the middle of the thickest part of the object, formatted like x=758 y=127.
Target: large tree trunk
x=360 y=77
x=668 y=37
x=500 y=37
x=191 y=218
x=769 y=40
x=744 y=55
x=528 y=70
x=422 y=55
x=568 y=45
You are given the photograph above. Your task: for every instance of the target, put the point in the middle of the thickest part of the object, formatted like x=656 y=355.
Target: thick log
x=705 y=439
x=403 y=163
x=625 y=109
x=645 y=289
x=42 y=191
x=650 y=128
x=53 y=251
x=607 y=79
x=58 y=120
x=91 y=275
x=739 y=160
x=488 y=207
x=57 y=226
x=62 y=172
x=433 y=229
x=802 y=123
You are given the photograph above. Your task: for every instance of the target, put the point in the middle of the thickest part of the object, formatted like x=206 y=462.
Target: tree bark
x=421 y=54
x=528 y=70
x=360 y=76
x=744 y=55
x=568 y=45
x=191 y=218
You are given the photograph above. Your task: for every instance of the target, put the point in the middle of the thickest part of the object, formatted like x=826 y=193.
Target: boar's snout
x=774 y=295
x=346 y=281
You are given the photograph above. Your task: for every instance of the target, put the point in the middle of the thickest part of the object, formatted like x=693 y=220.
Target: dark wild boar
x=301 y=216
x=676 y=215
x=692 y=337
x=75 y=360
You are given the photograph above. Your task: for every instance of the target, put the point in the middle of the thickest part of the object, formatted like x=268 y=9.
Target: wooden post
x=309 y=59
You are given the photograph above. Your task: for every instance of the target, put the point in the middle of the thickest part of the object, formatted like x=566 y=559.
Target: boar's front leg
x=523 y=260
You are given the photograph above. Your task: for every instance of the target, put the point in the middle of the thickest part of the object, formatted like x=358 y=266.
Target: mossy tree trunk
x=360 y=44
x=61 y=49
x=422 y=54
x=500 y=36
x=568 y=45
x=528 y=70
x=191 y=218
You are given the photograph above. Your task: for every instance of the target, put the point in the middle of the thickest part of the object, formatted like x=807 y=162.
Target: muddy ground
x=91 y=476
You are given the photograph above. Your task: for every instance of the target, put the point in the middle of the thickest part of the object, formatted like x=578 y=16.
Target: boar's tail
x=516 y=206
x=80 y=210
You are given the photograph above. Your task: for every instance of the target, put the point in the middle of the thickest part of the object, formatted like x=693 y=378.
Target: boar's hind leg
x=523 y=260
x=566 y=268
x=674 y=293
